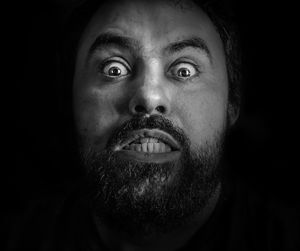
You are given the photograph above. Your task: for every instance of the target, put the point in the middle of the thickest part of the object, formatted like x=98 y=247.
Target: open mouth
x=149 y=141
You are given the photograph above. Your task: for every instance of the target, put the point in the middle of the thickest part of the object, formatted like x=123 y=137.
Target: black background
x=264 y=145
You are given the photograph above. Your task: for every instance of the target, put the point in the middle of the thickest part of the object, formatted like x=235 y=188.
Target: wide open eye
x=115 y=69
x=184 y=70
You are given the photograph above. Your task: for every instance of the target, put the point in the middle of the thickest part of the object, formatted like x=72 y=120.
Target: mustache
x=152 y=122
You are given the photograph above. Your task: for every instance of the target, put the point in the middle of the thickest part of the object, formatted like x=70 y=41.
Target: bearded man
x=155 y=90
x=151 y=109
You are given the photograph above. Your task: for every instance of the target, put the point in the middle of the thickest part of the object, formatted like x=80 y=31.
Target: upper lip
x=149 y=133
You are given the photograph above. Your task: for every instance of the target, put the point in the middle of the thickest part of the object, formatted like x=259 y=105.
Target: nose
x=148 y=101
x=150 y=96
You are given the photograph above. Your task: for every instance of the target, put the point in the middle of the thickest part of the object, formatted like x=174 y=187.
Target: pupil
x=114 y=71
x=184 y=73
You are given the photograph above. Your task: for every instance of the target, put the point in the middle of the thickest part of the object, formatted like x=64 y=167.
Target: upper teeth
x=148 y=145
x=145 y=140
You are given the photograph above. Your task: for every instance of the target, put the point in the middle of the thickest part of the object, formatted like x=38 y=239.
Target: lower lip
x=149 y=157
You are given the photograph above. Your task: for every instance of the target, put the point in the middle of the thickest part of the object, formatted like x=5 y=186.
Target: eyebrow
x=127 y=43
x=109 y=39
x=194 y=42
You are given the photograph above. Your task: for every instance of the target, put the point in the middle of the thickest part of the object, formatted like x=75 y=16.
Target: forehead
x=157 y=21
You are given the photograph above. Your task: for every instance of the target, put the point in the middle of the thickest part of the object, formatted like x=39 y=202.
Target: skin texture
x=197 y=104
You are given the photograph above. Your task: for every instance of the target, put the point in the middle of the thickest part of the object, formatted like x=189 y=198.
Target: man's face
x=150 y=102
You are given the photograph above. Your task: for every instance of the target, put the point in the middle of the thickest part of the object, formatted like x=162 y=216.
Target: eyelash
x=105 y=63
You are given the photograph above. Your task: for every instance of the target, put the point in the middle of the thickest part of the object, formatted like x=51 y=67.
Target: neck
x=167 y=242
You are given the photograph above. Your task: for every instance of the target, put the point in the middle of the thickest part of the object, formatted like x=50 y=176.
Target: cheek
x=202 y=115
x=95 y=116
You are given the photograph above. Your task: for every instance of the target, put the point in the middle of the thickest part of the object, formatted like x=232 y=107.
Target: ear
x=233 y=113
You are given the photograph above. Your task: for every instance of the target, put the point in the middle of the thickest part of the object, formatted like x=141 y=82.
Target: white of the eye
x=120 y=66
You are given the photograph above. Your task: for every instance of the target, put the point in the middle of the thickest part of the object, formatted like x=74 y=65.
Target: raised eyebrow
x=194 y=42
x=112 y=39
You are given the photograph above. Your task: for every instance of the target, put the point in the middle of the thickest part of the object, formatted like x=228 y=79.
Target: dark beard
x=145 y=198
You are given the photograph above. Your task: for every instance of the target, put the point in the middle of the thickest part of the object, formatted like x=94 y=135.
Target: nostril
x=161 y=109
x=139 y=109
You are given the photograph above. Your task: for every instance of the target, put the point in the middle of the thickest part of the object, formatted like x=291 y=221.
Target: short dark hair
x=222 y=15
x=220 y=12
